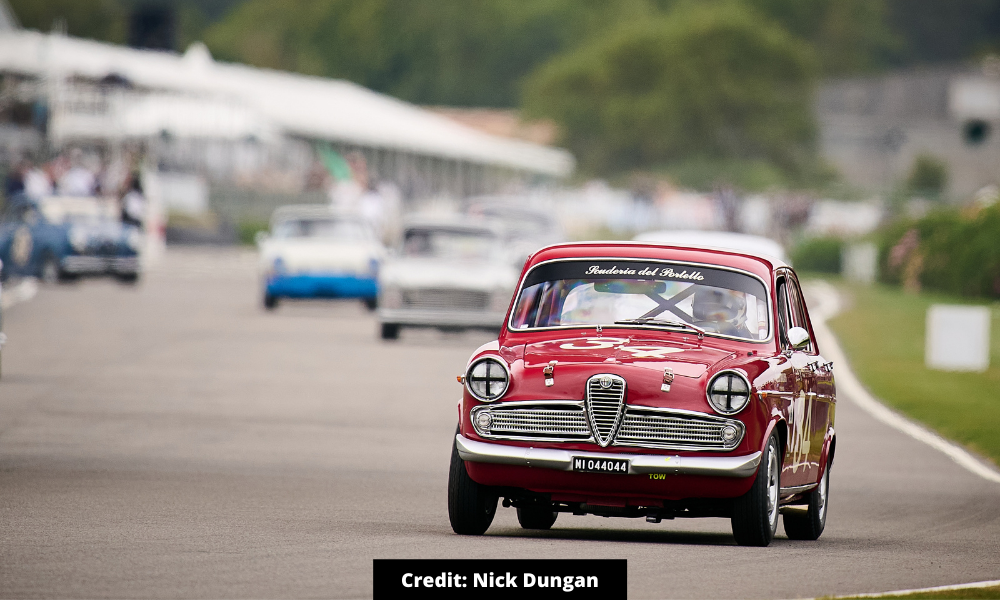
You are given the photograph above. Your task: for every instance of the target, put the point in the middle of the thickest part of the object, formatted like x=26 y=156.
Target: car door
x=818 y=383
x=791 y=387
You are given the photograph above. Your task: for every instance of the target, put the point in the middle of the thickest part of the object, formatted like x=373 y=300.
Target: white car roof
x=720 y=240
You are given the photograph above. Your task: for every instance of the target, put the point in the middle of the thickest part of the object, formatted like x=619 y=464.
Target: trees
x=455 y=52
x=98 y=19
x=707 y=80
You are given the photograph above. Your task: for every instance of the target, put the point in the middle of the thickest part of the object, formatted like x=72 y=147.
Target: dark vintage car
x=650 y=381
x=60 y=238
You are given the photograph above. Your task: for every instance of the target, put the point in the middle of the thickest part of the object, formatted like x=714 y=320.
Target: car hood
x=639 y=357
x=101 y=230
x=687 y=359
x=440 y=273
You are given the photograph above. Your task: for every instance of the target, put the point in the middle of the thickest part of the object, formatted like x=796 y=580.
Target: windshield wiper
x=662 y=323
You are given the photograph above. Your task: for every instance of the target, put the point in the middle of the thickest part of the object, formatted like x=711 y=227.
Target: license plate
x=600 y=465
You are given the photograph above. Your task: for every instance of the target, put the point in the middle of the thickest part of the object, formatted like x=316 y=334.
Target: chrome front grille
x=445 y=299
x=671 y=430
x=644 y=427
x=605 y=401
x=550 y=420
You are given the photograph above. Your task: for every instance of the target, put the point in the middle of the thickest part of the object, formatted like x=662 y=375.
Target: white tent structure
x=191 y=96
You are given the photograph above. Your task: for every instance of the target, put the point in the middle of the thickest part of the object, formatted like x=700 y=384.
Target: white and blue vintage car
x=313 y=251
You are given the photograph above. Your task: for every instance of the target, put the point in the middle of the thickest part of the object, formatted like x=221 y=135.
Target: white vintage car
x=449 y=272
x=313 y=251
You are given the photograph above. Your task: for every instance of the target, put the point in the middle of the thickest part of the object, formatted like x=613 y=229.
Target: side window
x=782 y=310
x=798 y=312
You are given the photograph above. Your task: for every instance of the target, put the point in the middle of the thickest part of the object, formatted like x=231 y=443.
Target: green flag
x=334 y=162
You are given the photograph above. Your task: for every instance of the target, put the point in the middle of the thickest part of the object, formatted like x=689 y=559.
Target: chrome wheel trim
x=824 y=485
x=772 y=486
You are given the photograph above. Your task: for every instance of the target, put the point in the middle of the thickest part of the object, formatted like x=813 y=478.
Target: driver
x=720 y=310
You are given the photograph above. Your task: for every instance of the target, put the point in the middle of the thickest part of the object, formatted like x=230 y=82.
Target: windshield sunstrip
x=718 y=301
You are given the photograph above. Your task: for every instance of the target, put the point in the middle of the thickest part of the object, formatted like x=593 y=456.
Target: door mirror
x=798 y=337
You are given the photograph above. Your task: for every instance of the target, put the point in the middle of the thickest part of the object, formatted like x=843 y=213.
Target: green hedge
x=819 y=255
x=247 y=230
x=949 y=250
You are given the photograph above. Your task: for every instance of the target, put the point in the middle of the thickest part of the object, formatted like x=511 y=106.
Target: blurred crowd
x=81 y=174
x=359 y=191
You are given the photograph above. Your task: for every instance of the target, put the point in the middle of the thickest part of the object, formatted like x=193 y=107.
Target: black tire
x=390 y=331
x=536 y=517
x=755 y=514
x=49 y=272
x=809 y=524
x=128 y=278
x=370 y=303
x=471 y=506
x=270 y=302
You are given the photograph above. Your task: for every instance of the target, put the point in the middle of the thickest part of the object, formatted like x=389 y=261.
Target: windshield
x=450 y=243
x=345 y=230
x=581 y=293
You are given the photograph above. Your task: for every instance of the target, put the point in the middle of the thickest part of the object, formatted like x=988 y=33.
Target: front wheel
x=370 y=303
x=390 y=331
x=49 y=271
x=755 y=513
x=471 y=506
x=809 y=524
x=270 y=302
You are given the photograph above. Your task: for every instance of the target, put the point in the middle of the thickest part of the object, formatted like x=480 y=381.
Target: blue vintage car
x=61 y=238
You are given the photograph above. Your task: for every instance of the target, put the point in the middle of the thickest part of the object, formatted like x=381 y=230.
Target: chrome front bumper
x=639 y=464
x=84 y=264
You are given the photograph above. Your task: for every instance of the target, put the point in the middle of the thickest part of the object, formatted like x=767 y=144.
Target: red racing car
x=643 y=380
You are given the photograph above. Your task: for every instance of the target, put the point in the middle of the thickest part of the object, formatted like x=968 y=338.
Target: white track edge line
x=846 y=380
x=940 y=588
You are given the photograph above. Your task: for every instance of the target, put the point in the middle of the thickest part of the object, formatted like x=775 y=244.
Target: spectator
x=134 y=203
x=78 y=180
x=15 y=178
x=37 y=183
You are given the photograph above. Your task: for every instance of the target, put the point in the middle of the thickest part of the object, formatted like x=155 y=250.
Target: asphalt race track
x=173 y=439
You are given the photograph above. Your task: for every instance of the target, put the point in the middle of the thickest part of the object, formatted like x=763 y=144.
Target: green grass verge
x=989 y=593
x=882 y=331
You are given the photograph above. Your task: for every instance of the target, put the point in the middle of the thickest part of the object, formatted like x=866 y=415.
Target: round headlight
x=487 y=379
x=134 y=240
x=728 y=392
x=78 y=238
